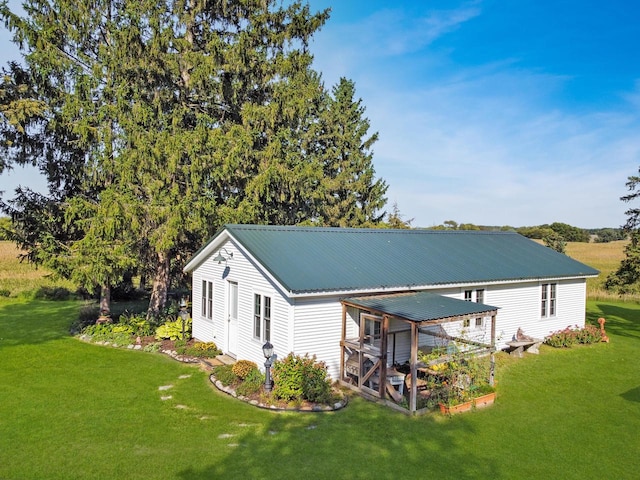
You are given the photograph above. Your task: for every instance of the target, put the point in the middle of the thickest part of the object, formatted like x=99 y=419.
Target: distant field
x=21 y=278
x=603 y=256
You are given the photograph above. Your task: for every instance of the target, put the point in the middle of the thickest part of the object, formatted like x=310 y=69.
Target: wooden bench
x=517 y=347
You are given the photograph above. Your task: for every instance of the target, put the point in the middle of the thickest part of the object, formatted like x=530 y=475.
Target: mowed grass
x=19 y=278
x=70 y=410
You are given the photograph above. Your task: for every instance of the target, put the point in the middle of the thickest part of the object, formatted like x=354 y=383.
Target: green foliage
x=301 y=378
x=626 y=279
x=5 y=227
x=252 y=383
x=172 y=330
x=152 y=347
x=108 y=332
x=555 y=242
x=605 y=235
x=396 y=220
x=157 y=122
x=351 y=196
x=571 y=336
x=225 y=374
x=53 y=293
x=203 y=350
x=242 y=368
x=461 y=378
x=537 y=233
x=137 y=323
x=570 y=233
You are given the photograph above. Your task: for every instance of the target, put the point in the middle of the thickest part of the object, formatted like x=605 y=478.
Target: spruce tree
x=352 y=196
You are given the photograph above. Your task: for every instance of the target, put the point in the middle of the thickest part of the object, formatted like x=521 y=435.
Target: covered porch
x=384 y=338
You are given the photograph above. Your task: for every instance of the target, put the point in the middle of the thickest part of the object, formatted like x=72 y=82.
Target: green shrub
x=53 y=293
x=242 y=368
x=225 y=374
x=252 y=383
x=301 y=378
x=104 y=332
x=5 y=292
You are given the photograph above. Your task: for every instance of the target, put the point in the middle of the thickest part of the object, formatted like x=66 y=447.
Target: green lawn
x=73 y=410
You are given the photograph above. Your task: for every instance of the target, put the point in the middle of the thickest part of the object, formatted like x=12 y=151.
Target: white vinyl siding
x=318 y=330
x=250 y=281
x=313 y=325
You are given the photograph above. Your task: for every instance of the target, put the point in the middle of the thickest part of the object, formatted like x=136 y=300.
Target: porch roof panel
x=420 y=306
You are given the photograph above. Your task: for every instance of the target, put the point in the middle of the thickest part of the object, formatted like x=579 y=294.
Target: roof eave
x=434 y=286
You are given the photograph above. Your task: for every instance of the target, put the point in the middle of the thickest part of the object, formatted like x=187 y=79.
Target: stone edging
x=316 y=408
x=171 y=353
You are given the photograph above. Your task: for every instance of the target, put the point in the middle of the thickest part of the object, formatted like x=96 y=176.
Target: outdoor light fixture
x=221 y=258
x=267 y=350
x=184 y=314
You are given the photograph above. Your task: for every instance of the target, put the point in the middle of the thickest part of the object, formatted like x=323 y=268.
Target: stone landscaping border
x=315 y=408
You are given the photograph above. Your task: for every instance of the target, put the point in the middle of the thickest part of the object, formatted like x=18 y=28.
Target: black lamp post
x=184 y=315
x=267 y=350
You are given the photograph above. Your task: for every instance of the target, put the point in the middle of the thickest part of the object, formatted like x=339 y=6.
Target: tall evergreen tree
x=182 y=115
x=351 y=194
x=158 y=121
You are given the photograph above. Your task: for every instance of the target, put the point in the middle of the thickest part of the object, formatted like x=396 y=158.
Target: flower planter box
x=484 y=400
x=453 y=409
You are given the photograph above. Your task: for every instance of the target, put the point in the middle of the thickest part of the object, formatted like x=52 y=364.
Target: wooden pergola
x=363 y=359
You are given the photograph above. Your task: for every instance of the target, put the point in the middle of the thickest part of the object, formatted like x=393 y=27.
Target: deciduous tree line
x=156 y=122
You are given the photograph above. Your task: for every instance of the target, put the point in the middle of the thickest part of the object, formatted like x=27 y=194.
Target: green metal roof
x=308 y=259
x=420 y=306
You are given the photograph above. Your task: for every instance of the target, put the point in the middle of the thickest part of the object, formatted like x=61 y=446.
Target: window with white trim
x=548 y=300
x=207 y=300
x=478 y=297
x=262 y=317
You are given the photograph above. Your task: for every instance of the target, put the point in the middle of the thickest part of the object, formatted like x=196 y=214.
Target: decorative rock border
x=136 y=346
x=315 y=408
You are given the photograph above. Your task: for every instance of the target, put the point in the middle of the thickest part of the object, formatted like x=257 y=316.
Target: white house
x=314 y=290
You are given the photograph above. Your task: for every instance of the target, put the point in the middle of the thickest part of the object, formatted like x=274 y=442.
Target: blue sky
x=489 y=112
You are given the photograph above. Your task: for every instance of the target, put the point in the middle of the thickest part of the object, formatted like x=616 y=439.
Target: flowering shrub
x=571 y=336
x=242 y=368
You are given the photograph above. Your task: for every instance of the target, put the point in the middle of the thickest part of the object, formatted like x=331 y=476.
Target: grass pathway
x=74 y=410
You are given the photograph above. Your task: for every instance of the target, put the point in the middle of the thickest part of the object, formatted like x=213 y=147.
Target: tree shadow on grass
x=620 y=320
x=362 y=441
x=35 y=321
x=632 y=395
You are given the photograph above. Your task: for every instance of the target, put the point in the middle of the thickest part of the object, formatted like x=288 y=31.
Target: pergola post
x=344 y=336
x=383 y=356
x=413 y=395
x=492 y=370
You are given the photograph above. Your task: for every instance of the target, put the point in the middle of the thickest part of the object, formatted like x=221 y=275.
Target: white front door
x=232 y=320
